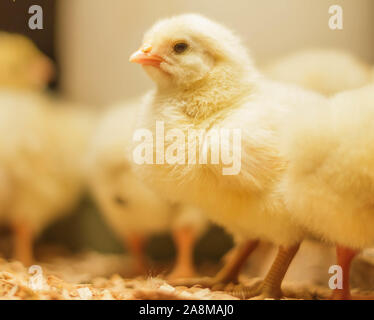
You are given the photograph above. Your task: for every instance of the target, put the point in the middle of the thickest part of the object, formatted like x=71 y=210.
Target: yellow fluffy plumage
x=327 y=71
x=330 y=182
x=231 y=95
x=126 y=202
x=129 y=206
x=22 y=65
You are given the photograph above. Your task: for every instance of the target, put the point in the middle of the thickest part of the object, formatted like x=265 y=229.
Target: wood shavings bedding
x=65 y=280
x=16 y=283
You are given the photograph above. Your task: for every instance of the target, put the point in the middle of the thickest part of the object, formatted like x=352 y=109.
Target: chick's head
x=22 y=64
x=185 y=49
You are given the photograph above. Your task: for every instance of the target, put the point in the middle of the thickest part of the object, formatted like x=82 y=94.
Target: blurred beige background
x=96 y=37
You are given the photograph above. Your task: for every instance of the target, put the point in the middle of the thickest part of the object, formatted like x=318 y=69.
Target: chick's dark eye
x=180 y=47
x=120 y=201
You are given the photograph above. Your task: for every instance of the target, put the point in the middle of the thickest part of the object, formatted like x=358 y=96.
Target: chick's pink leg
x=229 y=274
x=185 y=239
x=231 y=270
x=22 y=243
x=136 y=244
x=344 y=259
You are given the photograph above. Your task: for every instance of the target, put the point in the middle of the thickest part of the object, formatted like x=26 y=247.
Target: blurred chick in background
x=329 y=183
x=131 y=209
x=206 y=81
x=327 y=71
x=22 y=65
x=43 y=145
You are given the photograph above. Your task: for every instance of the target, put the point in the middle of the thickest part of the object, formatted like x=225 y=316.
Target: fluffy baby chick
x=132 y=210
x=43 y=145
x=327 y=71
x=22 y=65
x=41 y=160
x=206 y=81
x=330 y=182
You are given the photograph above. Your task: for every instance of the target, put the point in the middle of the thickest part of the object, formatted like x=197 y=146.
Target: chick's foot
x=182 y=271
x=270 y=288
x=228 y=276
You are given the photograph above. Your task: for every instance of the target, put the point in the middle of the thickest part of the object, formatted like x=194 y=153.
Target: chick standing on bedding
x=42 y=147
x=131 y=209
x=330 y=180
x=206 y=81
x=326 y=71
x=42 y=156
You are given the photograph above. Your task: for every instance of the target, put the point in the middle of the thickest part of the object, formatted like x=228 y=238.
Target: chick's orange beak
x=144 y=57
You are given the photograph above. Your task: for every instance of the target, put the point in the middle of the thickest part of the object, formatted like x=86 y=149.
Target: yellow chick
x=22 y=65
x=42 y=145
x=131 y=209
x=41 y=159
x=329 y=183
x=327 y=71
x=205 y=81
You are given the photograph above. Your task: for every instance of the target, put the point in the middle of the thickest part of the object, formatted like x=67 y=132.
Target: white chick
x=206 y=81
x=41 y=159
x=131 y=209
x=329 y=183
x=43 y=145
x=327 y=71
x=22 y=65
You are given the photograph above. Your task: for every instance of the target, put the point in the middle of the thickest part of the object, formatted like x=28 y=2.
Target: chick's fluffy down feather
x=327 y=71
x=249 y=204
x=232 y=95
x=126 y=202
x=22 y=64
x=41 y=155
x=330 y=180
